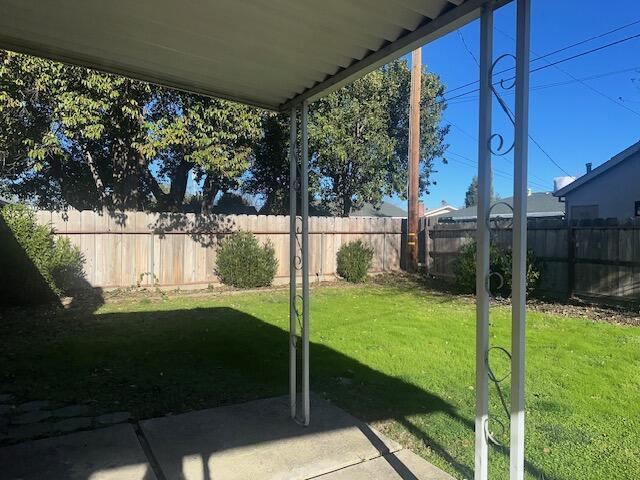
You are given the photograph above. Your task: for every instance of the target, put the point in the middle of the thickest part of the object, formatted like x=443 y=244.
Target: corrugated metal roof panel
x=261 y=52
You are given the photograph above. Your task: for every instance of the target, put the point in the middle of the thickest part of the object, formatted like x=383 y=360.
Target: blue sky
x=573 y=123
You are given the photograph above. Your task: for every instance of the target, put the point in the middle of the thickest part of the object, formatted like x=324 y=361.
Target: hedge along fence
x=125 y=249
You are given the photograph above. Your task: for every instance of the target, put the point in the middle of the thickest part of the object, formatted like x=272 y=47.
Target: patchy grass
x=398 y=357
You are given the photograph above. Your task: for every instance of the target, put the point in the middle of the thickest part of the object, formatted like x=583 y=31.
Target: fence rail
x=124 y=249
x=597 y=259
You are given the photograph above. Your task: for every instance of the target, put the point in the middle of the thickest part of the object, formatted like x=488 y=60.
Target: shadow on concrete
x=154 y=363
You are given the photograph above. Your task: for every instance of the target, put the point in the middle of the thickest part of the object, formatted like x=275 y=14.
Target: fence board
x=606 y=260
x=124 y=249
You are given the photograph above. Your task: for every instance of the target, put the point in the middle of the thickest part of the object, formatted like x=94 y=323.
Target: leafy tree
x=72 y=136
x=359 y=137
x=213 y=137
x=269 y=172
x=471 y=197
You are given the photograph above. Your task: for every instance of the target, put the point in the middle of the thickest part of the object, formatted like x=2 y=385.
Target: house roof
x=542 y=204
x=444 y=209
x=385 y=209
x=272 y=54
x=609 y=164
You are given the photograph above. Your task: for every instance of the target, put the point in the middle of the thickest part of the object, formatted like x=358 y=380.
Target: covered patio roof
x=271 y=54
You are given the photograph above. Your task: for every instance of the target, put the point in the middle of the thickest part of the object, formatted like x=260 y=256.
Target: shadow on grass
x=153 y=363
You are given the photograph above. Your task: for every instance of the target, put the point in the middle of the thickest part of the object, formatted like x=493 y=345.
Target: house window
x=581 y=212
x=637 y=208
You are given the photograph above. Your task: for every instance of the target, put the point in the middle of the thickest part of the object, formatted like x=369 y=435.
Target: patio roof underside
x=268 y=53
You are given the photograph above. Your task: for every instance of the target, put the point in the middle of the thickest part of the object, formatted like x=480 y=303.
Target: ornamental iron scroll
x=497 y=147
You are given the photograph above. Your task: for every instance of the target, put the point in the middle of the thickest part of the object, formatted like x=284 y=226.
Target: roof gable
x=539 y=204
x=599 y=170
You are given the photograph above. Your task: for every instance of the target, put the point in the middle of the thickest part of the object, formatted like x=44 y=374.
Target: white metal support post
x=518 y=312
x=293 y=316
x=304 y=193
x=483 y=240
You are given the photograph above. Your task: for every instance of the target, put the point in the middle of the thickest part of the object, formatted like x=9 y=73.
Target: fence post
x=571 y=260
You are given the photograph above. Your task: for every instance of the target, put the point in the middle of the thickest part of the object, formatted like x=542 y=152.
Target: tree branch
x=97 y=180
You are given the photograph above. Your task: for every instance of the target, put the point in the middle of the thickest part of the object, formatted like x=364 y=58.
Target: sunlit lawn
x=396 y=356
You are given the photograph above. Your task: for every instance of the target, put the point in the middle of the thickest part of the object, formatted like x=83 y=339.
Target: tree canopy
x=359 y=137
x=70 y=136
x=471 y=197
x=73 y=136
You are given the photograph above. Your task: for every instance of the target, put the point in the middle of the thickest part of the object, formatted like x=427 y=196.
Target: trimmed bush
x=500 y=261
x=354 y=261
x=67 y=266
x=243 y=263
x=36 y=267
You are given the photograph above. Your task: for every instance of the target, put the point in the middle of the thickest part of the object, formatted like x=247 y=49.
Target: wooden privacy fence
x=125 y=249
x=596 y=259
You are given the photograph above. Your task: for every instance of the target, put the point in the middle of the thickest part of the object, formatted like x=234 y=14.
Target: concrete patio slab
x=258 y=440
x=401 y=465
x=112 y=453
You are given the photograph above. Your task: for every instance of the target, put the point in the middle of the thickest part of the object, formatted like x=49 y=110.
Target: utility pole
x=414 y=158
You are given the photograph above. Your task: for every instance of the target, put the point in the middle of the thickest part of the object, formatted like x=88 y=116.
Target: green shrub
x=500 y=262
x=34 y=260
x=242 y=262
x=67 y=266
x=354 y=260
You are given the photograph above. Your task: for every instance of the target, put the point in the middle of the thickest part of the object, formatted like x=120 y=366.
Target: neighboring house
x=611 y=190
x=385 y=209
x=539 y=205
x=441 y=211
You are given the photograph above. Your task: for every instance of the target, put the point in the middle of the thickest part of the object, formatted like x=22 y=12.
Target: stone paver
x=71 y=411
x=31 y=406
x=112 y=453
x=72 y=424
x=252 y=440
x=31 y=417
x=259 y=440
x=112 y=418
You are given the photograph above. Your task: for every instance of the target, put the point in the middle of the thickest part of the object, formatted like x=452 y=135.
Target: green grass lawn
x=393 y=355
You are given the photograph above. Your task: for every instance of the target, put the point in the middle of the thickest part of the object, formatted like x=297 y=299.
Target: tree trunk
x=347 y=203
x=97 y=180
x=178 y=189
x=209 y=191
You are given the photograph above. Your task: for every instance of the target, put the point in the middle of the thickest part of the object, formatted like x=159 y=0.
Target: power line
x=476 y=139
x=602 y=94
x=529 y=134
x=562 y=49
x=559 y=84
x=502 y=174
x=549 y=65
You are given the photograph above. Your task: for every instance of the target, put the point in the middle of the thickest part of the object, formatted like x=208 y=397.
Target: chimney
x=589 y=165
